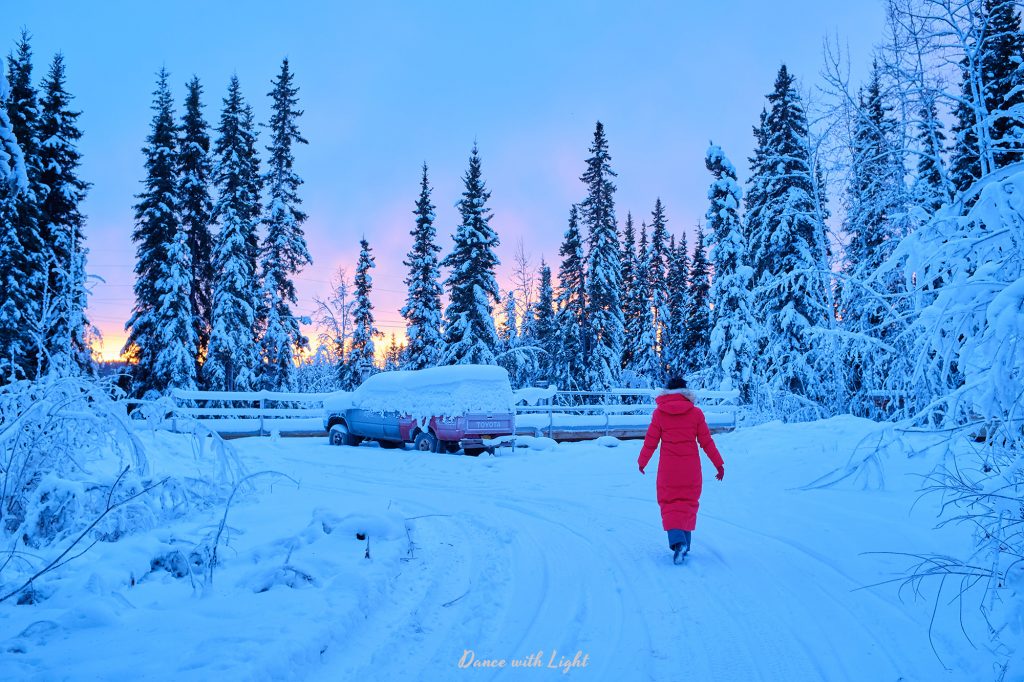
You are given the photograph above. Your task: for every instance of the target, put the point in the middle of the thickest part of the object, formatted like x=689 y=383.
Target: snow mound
x=608 y=441
x=437 y=391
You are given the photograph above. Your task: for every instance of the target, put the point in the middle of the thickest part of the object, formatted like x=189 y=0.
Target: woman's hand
x=721 y=473
x=641 y=466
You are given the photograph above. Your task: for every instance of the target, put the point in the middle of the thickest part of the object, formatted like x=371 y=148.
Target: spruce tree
x=698 y=309
x=658 y=277
x=284 y=251
x=60 y=217
x=931 y=188
x=37 y=316
x=422 y=309
x=965 y=164
x=394 y=355
x=1001 y=62
x=195 y=172
x=545 y=326
x=174 y=362
x=792 y=287
x=362 y=352
x=232 y=357
x=630 y=307
x=646 y=365
x=470 y=337
x=156 y=226
x=756 y=197
x=15 y=294
x=570 y=362
x=676 y=354
x=876 y=193
x=604 y=324
x=733 y=341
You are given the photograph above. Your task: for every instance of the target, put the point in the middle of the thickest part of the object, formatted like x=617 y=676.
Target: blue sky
x=386 y=86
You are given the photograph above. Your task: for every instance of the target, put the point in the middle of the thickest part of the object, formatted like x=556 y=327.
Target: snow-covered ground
x=549 y=556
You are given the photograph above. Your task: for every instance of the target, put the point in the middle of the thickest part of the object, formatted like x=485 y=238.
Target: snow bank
x=437 y=391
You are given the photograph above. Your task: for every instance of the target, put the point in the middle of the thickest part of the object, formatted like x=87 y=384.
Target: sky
x=387 y=86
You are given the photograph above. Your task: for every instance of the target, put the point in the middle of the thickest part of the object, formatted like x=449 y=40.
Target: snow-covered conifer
x=174 y=362
x=232 y=356
x=733 y=342
x=15 y=295
x=630 y=307
x=646 y=365
x=156 y=225
x=570 y=362
x=66 y=345
x=195 y=175
x=931 y=186
x=791 y=295
x=36 y=247
x=422 y=309
x=604 y=323
x=361 y=359
x=657 y=277
x=284 y=251
x=698 y=309
x=674 y=361
x=545 y=326
x=470 y=337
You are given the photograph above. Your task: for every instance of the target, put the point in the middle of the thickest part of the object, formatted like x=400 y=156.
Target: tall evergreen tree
x=60 y=217
x=232 y=356
x=631 y=309
x=604 y=330
x=876 y=193
x=572 y=308
x=1002 y=60
x=470 y=336
x=756 y=197
x=156 y=226
x=545 y=326
x=676 y=354
x=37 y=253
x=698 y=309
x=174 y=362
x=733 y=341
x=422 y=309
x=284 y=251
x=646 y=365
x=792 y=287
x=15 y=295
x=195 y=172
x=658 y=277
x=362 y=352
x=931 y=187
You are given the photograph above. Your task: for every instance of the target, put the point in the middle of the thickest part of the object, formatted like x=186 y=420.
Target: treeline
x=43 y=294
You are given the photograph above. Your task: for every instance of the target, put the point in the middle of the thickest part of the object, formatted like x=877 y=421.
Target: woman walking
x=679 y=425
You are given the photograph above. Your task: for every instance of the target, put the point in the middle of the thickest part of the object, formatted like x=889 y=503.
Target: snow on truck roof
x=437 y=391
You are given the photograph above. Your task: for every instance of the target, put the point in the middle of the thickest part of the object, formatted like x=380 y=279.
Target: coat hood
x=677 y=401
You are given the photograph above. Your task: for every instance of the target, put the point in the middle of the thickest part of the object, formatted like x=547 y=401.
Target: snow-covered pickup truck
x=440 y=409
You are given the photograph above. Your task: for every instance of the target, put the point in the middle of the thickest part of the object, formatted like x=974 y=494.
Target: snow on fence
x=562 y=415
x=624 y=413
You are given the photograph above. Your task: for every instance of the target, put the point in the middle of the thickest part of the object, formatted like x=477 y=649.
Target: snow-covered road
x=545 y=558
x=552 y=561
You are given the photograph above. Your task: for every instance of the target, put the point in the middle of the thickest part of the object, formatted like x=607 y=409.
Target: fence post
x=261 y=416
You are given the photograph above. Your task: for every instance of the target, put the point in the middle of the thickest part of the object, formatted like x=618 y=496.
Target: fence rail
x=563 y=415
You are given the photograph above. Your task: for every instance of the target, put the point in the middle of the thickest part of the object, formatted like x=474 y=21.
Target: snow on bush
x=437 y=392
x=967 y=379
x=75 y=471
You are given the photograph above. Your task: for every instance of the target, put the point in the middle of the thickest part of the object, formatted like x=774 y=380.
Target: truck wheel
x=474 y=452
x=339 y=435
x=425 y=442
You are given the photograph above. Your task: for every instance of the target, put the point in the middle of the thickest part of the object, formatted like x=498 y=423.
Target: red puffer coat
x=679 y=425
